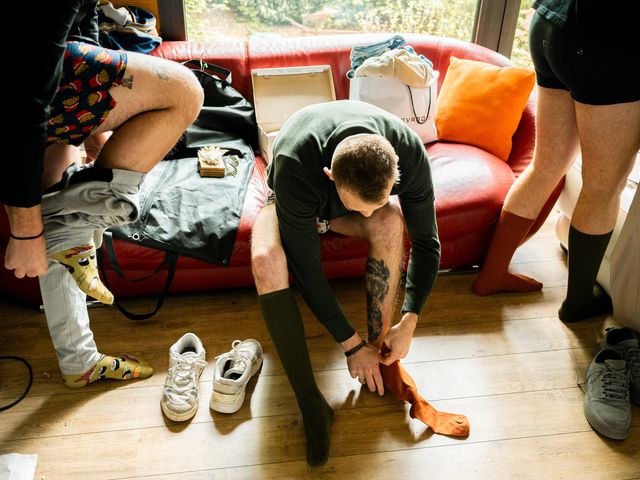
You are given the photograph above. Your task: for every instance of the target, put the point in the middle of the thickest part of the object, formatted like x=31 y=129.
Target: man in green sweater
x=336 y=167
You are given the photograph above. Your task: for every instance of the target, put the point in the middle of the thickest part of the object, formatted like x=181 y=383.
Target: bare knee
x=601 y=189
x=597 y=206
x=387 y=228
x=269 y=267
x=189 y=96
x=56 y=160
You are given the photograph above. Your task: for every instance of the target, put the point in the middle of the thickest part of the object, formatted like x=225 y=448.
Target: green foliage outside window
x=453 y=18
x=211 y=19
x=194 y=11
x=520 y=52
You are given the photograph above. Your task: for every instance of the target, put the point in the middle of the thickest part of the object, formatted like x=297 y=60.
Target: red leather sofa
x=470 y=183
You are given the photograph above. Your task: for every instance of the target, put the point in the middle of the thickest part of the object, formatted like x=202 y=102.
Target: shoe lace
x=633 y=362
x=183 y=375
x=615 y=385
x=241 y=358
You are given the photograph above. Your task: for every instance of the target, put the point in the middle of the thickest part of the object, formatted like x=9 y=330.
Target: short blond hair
x=365 y=164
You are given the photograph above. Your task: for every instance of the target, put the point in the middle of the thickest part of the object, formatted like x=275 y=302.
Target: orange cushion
x=481 y=104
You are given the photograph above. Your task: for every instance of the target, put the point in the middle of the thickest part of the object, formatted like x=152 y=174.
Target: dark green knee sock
x=284 y=322
x=584 y=298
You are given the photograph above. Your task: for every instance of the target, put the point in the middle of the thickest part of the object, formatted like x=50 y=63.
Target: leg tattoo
x=128 y=82
x=377 y=288
x=161 y=73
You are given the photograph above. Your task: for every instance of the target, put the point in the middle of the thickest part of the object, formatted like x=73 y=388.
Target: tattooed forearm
x=161 y=73
x=377 y=288
x=128 y=82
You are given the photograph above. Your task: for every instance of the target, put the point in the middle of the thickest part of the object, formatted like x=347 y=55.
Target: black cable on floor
x=26 y=391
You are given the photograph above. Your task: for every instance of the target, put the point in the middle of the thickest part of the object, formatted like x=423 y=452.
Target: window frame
x=494 y=24
x=173 y=19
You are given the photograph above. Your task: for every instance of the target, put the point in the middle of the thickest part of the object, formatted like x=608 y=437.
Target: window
x=220 y=19
x=520 y=53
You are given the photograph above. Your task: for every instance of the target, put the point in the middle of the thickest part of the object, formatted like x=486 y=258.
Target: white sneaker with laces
x=232 y=372
x=179 y=400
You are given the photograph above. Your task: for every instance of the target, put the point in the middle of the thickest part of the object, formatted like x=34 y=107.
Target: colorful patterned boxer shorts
x=82 y=101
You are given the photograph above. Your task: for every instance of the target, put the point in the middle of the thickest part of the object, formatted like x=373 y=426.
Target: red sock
x=402 y=385
x=494 y=276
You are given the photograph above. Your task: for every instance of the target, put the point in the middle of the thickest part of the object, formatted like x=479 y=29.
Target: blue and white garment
x=360 y=53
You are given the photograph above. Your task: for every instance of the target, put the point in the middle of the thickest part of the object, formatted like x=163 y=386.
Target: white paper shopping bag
x=415 y=106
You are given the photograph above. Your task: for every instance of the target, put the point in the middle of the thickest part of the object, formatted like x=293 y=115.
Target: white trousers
x=68 y=320
x=72 y=217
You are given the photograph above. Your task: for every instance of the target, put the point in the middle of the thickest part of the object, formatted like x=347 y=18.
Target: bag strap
x=169 y=261
x=222 y=73
x=107 y=238
x=413 y=107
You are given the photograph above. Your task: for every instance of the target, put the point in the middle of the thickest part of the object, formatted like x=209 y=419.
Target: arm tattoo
x=377 y=287
x=161 y=73
x=128 y=82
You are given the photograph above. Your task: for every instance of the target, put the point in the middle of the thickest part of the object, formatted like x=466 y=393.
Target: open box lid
x=280 y=92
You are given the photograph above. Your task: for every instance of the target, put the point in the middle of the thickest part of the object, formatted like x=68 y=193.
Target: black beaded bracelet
x=356 y=349
x=27 y=238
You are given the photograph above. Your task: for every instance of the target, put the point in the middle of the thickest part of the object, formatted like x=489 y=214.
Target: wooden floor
x=505 y=361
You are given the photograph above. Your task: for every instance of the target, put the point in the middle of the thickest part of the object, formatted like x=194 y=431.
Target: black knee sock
x=584 y=298
x=284 y=322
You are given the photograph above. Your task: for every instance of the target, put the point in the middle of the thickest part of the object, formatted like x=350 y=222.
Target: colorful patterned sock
x=82 y=265
x=124 y=367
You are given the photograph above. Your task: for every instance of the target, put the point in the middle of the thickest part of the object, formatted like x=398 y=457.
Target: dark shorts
x=323 y=226
x=82 y=101
x=600 y=72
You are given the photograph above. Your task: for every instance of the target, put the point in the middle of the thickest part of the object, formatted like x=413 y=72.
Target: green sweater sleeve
x=295 y=200
x=418 y=207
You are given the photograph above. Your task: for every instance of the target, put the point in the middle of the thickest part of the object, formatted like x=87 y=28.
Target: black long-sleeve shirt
x=303 y=193
x=36 y=72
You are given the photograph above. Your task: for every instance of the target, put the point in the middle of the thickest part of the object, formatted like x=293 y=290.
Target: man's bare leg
x=557 y=145
x=166 y=105
x=385 y=232
x=57 y=158
x=284 y=322
x=268 y=260
x=610 y=139
x=155 y=103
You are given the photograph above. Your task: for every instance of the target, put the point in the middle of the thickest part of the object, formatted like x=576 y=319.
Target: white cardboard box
x=280 y=92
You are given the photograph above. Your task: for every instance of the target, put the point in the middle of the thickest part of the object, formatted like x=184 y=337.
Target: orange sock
x=495 y=276
x=544 y=213
x=402 y=385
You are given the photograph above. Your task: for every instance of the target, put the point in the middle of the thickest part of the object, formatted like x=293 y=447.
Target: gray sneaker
x=626 y=342
x=606 y=401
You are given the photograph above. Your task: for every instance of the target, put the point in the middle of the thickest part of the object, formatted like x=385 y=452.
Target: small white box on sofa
x=280 y=92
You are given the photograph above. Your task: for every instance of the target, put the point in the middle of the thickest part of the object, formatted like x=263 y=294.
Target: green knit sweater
x=304 y=193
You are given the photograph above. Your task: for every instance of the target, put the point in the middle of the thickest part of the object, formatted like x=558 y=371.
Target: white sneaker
x=232 y=372
x=179 y=400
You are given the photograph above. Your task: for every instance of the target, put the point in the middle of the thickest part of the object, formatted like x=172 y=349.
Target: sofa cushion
x=481 y=104
x=470 y=186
